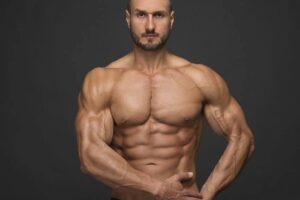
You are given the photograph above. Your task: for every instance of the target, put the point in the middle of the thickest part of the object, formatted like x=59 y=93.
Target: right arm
x=94 y=128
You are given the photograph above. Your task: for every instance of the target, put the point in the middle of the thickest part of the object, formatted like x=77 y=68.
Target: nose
x=150 y=24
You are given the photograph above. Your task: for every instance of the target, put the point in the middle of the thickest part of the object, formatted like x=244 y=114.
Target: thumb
x=184 y=176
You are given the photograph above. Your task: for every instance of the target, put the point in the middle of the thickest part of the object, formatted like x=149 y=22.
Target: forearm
x=104 y=164
x=229 y=165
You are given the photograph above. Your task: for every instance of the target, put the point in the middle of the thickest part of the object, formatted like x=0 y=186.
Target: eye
x=159 y=15
x=140 y=14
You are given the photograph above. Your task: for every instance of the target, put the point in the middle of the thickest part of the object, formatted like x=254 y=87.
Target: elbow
x=85 y=166
x=251 y=146
x=251 y=150
x=86 y=161
x=90 y=161
x=84 y=169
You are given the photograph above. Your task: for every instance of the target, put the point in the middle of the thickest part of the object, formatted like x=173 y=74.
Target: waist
x=129 y=194
x=164 y=168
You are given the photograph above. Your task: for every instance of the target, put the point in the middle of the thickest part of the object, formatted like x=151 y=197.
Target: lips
x=150 y=35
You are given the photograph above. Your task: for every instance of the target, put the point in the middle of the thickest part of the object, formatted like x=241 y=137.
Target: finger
x=192 y=198
x=192 y=194
x=189 y=198
x=184 y=176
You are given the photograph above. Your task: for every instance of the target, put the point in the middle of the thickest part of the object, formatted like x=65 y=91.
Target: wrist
x=207 y=193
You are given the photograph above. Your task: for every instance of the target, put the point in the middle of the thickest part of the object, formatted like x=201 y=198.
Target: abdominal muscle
x=161 y=153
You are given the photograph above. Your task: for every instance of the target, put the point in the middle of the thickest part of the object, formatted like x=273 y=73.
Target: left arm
x=226 y=118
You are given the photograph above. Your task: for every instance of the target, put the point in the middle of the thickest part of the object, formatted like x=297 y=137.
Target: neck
x=149 y=61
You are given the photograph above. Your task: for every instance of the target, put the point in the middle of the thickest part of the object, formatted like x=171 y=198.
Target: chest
x=169 y=97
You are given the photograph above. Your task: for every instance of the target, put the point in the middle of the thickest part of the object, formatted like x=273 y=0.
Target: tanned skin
x=140 y=118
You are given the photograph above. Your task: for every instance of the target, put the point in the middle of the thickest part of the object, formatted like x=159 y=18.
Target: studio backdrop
x=49 y=46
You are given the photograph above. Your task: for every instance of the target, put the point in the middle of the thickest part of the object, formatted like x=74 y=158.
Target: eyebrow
x=143 y=11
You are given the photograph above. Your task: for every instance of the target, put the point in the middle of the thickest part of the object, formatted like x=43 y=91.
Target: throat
x=150 y=62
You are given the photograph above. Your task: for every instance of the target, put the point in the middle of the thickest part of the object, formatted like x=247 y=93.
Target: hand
x=172 y=188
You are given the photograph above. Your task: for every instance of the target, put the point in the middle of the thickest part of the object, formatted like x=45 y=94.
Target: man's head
x=150 y=22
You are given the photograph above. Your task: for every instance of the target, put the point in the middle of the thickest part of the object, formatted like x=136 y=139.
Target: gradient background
x=47 y=47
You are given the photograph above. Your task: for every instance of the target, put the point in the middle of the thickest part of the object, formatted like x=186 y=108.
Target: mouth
x=150 y=35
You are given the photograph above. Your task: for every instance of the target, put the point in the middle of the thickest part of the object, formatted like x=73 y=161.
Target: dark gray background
x=48 y=46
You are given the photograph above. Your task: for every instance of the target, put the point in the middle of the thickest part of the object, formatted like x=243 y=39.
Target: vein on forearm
x=234 y=156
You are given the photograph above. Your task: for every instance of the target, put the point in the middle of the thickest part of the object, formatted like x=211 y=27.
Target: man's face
x=149 y=23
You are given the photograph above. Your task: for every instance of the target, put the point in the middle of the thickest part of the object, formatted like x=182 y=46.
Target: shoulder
x=108 y=75
x=97 y=87
x=99 y=76
x=202 y=75
x=177 y=62
x=121 y=63
x=211 y=83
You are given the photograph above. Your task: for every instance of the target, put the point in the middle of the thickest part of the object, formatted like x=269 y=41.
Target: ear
x=172 y=18
x=127 y=18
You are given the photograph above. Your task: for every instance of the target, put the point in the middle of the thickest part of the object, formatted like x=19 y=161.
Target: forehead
x=150 y=5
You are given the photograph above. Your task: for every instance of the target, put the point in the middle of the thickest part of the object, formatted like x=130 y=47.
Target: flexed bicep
x=94 y=122
x=222 y=111
x=228 y=121
x=93 y=128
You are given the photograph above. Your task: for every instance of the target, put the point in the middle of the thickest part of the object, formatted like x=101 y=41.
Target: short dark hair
x=129 y=1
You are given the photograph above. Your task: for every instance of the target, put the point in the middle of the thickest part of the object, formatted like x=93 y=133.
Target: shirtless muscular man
x=140 y=118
